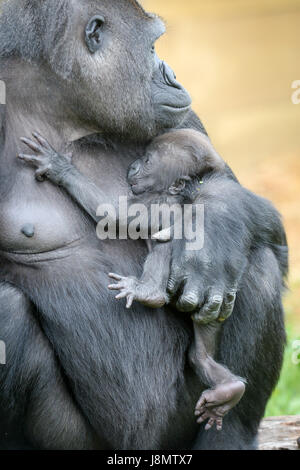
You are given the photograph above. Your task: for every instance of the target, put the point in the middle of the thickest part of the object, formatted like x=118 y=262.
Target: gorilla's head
x=102 y=56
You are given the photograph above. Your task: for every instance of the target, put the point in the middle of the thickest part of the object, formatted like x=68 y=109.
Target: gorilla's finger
x=175 y=280
x=211 y=310
x=189 y=300
x=42 y=141
x=228 y=306
x=32 y=145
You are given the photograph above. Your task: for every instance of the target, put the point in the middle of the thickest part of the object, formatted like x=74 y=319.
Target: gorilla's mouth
x=184 y=107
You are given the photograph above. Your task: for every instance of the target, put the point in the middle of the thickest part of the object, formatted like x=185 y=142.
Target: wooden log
x=280 y=433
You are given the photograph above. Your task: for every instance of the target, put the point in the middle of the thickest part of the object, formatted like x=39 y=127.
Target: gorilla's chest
x=41 y=217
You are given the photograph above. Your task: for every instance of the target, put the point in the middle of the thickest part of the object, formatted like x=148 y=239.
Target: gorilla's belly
x=38 y=226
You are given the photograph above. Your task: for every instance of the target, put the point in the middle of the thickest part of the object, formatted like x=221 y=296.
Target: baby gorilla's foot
x=214 y=404
x=133 y=289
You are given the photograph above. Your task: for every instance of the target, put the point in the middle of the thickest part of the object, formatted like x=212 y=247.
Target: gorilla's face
x=121 y=86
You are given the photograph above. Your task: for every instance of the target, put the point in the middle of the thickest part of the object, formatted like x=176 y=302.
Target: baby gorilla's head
x=171 y=160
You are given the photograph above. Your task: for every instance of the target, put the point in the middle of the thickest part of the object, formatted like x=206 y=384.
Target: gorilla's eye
x=93 y=33
x=153 y=49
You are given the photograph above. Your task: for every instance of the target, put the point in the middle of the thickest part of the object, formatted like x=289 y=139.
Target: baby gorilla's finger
x=117 y=277
x=29 y=158
x=200 y=410
x=203 y=418
x=130 y=300
x=210 y=424
x=219 y=424
x=115 y=286
x=122 y=295
x=32 y=145
x=42 y=141
x=202 y=402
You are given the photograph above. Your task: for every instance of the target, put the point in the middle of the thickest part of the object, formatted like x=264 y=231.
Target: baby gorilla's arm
x=60 y=170
x=151 y=288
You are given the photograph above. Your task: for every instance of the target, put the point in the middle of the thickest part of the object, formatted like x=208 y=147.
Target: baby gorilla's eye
x=153 y=49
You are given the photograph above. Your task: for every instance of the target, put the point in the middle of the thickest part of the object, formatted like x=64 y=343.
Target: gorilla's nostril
x=168 y=74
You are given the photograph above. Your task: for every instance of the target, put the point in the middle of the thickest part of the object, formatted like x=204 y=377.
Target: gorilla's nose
x=169 y=75
x=168 y=72
x=134 y=169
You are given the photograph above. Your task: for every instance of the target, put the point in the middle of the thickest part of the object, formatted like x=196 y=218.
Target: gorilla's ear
x=93 y=33
x=178 y=186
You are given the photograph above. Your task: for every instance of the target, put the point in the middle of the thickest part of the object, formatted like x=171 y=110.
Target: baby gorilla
x=169 y=173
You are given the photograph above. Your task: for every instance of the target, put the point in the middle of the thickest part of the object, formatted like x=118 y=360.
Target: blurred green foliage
x=286 y=397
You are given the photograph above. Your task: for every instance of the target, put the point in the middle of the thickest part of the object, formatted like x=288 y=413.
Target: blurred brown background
x=238 y=59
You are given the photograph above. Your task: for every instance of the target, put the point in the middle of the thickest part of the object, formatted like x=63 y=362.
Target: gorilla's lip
x=177 y=108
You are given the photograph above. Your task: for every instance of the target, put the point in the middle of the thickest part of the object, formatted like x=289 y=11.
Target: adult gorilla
x=82 y=373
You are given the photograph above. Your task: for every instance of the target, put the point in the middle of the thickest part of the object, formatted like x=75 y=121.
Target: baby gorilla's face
x=148 y=174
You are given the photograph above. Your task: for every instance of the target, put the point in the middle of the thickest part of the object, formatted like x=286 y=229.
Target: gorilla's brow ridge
x=139 y=7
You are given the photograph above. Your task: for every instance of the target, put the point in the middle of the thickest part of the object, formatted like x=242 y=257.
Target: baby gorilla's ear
x=179 y=185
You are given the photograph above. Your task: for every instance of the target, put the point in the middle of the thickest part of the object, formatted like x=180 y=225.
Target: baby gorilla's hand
x=133 y=289
x=48 y=162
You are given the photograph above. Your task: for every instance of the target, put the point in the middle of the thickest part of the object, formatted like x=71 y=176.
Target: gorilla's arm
x=236 y=222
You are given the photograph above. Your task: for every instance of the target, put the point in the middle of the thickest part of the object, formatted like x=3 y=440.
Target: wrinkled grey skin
x=82 y=372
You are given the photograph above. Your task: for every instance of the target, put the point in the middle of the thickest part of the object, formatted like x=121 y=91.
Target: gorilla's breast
x=38 y=218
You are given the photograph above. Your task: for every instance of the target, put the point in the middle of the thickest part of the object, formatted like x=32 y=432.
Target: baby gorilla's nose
x=134 y=169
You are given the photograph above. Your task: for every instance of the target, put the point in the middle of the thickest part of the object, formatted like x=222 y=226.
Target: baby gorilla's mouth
x=136 y=189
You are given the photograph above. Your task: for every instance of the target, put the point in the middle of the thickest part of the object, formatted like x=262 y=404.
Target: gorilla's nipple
x=28 y=230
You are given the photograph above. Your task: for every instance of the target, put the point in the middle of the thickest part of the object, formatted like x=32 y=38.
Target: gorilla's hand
x=205 y=282
x=196 y=285
x=48 y=163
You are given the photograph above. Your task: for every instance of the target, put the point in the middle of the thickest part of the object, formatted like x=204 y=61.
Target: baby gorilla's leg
x=226 y=388
x=146 y=293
